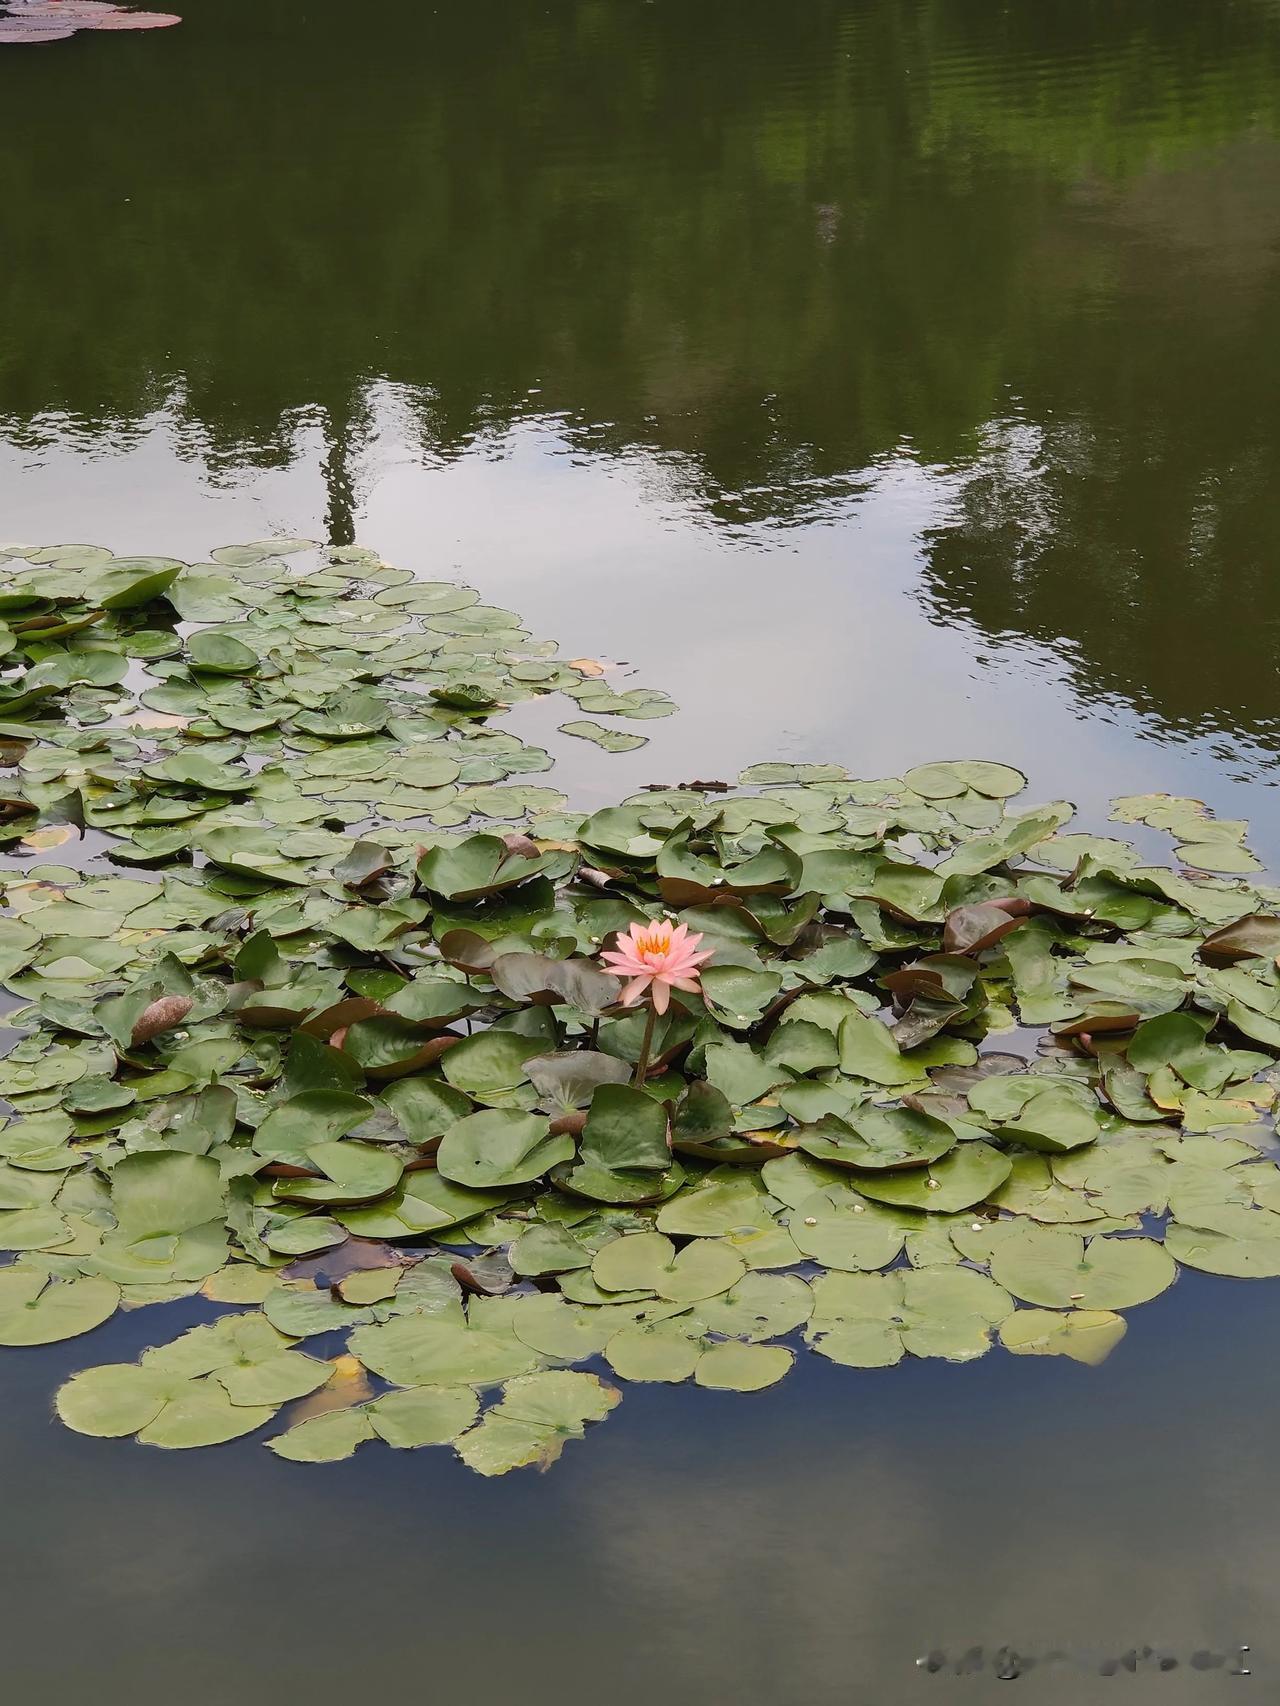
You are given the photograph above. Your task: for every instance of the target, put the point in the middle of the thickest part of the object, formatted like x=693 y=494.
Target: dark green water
x=885 y=379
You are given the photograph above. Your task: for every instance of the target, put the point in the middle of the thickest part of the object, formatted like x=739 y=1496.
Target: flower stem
x=646 y=1044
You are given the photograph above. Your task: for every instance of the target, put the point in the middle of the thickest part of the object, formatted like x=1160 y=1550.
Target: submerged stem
x=646 y=1043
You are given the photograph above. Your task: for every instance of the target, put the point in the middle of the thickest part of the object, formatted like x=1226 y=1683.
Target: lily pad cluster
x=54 y=20
x=317 y=1031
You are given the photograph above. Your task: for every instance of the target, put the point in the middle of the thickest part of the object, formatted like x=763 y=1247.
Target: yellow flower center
x=655 y=941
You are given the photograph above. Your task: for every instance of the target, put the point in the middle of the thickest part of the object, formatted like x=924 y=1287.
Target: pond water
x=883 y=379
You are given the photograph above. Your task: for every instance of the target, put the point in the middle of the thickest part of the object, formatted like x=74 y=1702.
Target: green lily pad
x=537 y=1417
x=742 y=1368
x=1055 y=1268
x=870 y=1320
x=499 y=1148
x=326 y=1438
x=968 y=1175
x=653 y=1351
x=612 y=740
x=439 y=1350
x=647 y=1261
x=760 y=1306
x=848 y=1235
x=39 y=1311
x=879 y=1138
x=424 y=1415
x=1085 y=1335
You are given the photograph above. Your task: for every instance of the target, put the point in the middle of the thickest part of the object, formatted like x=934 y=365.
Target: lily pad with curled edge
x=327 y=1438
x=38 y=1310
x=646 y=1261
x=653 y=1350
x=548 y=1250
x=125 y=583
x=730 y=1200
x=354 y=1173
x=617 y=1186
x=968 y=1175
x=538 y=978
x=1085 y=1335
x=1053 y=1122
x=423 y=1415
x=538 y=1415
x=881 y=1139
x=439 y=1350
x=482 y=865
x=869 y=1320
x=742 y=1368
x=221 y=653
x=1055 y=1268
x=849 y=1233
x=1031 y=1189
x=425 y=1201
x=500 y=1147
x=868 y=1050
x=760 y=1306
x=1254 y=936
x=1064 y=852
x=1240 y=1254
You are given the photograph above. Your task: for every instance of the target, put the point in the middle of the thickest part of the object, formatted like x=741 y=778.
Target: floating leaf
x=424 y=1415
x=1084 y=1335
x=653 y=1351
x=498 y=1148
x=1055 y=1268
x=35 y=1310
x=538 y=1415
x=646 y=1261
x=327 y=1438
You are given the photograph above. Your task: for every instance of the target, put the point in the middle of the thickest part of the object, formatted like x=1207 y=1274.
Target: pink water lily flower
x=657 y=958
